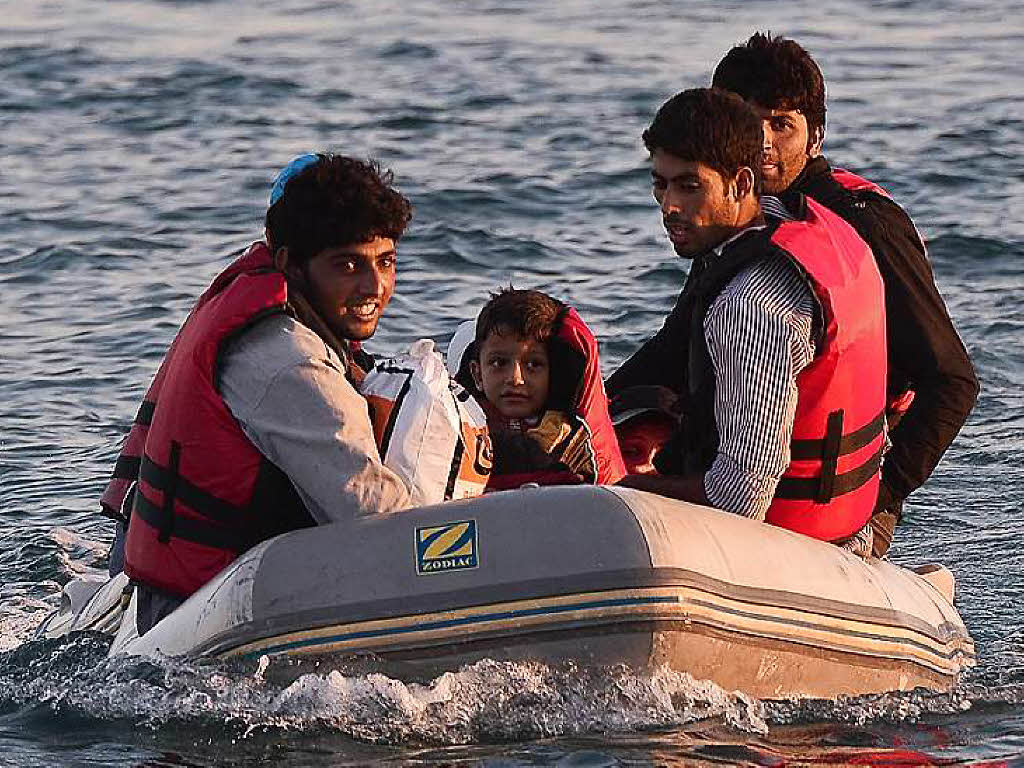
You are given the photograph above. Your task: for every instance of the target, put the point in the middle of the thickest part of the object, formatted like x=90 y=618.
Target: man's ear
x=743 y=183
x=281 y=259
x=474 y=371
x=284 y=263
x=815 y=141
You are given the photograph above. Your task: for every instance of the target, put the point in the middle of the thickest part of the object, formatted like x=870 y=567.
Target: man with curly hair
x=932 y=386
x=253 y=425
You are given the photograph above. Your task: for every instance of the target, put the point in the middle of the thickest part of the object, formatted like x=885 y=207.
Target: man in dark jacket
x=928 y=365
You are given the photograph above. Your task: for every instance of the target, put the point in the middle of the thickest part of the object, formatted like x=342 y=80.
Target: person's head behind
x=332 y=229
x=645 y=418
x=785 y=85
x=511 y=363
x=705 y=147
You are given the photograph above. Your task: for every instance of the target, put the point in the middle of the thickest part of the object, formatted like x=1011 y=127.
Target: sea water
x=139 y=141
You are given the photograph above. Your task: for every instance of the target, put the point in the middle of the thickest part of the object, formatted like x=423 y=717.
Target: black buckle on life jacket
x=170 y=489
x=190 y=529
x=804 y=488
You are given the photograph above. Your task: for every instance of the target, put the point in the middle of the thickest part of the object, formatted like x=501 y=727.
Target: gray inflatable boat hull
x=583 y=574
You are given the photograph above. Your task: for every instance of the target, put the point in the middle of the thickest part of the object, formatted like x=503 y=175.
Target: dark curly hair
x=336 y=201
x=775 y=73
x=520 y=312
x=709 y=126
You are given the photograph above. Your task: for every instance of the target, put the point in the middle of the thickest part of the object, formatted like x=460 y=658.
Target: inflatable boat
x=592 y=575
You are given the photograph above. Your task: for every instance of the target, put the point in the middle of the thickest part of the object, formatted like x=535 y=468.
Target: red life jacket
x=590 y=403
x=204 y=493
x=855 y=183
x=576 y=381
x=829 y=489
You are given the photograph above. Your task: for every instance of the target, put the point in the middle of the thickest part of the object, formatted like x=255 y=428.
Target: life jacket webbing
x=850 y=443
x=172 y=485
x=166 y=527
x=126 y=467
x=188 y=528
x=802 y=488
x=145 y=414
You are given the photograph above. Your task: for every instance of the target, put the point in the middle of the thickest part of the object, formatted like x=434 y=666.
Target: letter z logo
x=448 y=547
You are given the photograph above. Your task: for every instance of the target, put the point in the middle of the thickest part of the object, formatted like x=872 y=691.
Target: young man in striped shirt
x=776 y=345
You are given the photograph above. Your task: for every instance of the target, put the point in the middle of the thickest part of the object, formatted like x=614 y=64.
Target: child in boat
x=645 y=417
x=534 y=367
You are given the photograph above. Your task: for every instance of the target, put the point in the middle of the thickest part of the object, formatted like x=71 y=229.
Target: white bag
x=429 y=430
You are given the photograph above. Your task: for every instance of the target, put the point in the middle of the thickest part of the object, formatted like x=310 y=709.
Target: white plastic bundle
x=429 y=430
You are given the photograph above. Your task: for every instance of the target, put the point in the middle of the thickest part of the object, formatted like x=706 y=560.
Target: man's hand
x=684 y=487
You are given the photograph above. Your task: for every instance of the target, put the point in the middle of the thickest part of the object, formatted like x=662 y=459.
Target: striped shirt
x=760 y=334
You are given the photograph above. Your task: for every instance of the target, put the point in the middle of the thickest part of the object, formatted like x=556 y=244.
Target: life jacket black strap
x=167 y=480
x=811 y=488
x=850 y=443
x=145 y=414
x=830 y=460
x=127 y=468
x=170 y=489
x=187 y=528
x=389 y=428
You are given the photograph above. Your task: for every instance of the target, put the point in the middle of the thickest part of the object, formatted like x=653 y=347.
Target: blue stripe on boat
x=625 y=601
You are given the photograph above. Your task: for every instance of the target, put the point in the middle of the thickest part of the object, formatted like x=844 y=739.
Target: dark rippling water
x=139 y=141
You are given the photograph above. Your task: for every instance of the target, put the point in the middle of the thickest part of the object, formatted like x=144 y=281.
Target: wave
x=484 y=702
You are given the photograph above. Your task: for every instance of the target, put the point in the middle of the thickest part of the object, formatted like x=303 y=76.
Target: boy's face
x=640 y=439
x=513 y=374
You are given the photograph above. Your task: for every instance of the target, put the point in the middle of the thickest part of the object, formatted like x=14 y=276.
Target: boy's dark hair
x=709 y=126
x=336 y=201
x=524 y=313
x=775 y=73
